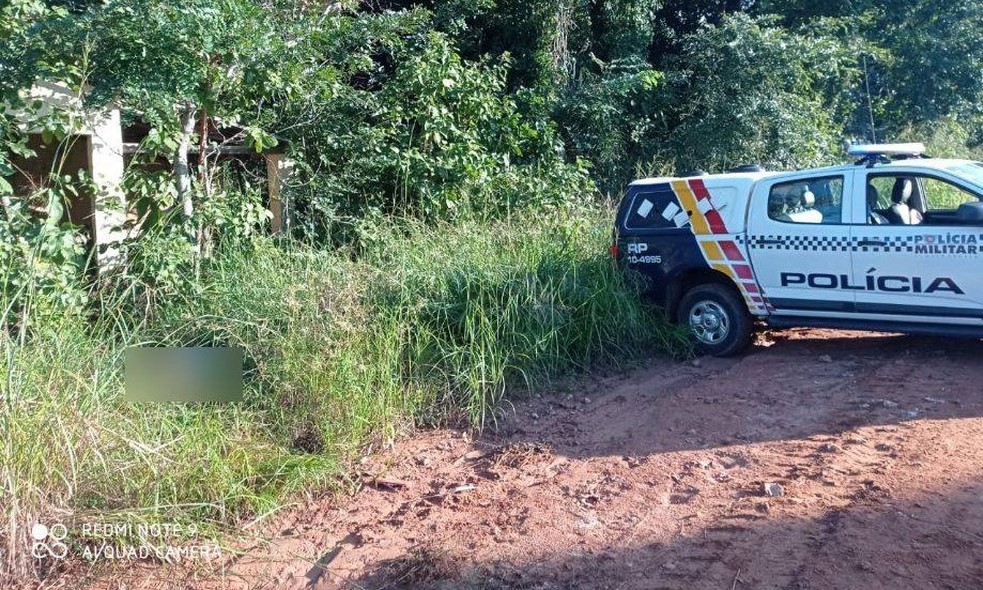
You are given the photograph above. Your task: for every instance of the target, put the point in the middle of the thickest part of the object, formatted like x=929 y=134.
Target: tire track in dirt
x=656 y=479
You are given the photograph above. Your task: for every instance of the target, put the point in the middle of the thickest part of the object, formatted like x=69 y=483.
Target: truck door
x=915 y=262
x=799 y=243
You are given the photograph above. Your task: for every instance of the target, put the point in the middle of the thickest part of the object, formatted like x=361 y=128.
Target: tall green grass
x=424 y=325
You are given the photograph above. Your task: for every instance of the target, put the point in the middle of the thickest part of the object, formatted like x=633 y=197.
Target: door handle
x=869 y=243
x=769 y=241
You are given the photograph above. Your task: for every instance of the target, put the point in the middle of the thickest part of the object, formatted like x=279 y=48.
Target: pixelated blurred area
x=183 y=374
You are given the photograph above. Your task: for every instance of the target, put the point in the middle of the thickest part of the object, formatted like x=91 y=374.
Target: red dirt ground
x=656 y=479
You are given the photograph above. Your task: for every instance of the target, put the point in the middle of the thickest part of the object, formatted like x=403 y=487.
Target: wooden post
x=279 y=171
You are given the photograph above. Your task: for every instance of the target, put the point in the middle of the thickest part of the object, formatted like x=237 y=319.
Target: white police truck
x=892 y=242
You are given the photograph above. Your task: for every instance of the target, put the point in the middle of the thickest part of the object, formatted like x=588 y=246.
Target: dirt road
x=820 y=460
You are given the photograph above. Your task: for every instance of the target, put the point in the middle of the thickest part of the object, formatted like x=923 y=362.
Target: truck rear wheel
x=717 y=319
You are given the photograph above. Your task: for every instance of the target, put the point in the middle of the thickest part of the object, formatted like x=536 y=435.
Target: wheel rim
x=709 y=322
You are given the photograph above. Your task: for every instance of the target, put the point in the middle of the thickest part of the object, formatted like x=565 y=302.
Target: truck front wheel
x=717 y=319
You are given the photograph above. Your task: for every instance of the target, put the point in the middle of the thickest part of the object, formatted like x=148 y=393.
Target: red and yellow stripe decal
x=720 y=251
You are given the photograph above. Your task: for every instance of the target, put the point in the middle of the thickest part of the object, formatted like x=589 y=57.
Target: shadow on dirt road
x=656 y=479
x=822 y=459
x=805 y=383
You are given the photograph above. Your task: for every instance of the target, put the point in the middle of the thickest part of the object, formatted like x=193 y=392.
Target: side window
x=809 y=200
x=879 y=192
x=943 y=196
x=654 y=207
x=894 y=199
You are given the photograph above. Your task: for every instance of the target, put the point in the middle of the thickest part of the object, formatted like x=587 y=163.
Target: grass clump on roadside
x=426 y=324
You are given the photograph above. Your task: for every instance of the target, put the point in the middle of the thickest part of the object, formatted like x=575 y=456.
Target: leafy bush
x=160 y=258
x=42 y=256
x=750 y=92
x=610 y=120
x=738 y=92
x=41 y=264
x=431 y=136
x=946 y=138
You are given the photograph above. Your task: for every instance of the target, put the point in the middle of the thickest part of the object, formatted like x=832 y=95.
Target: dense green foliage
x=411 y=105
x=437 y=137
x=925 y=58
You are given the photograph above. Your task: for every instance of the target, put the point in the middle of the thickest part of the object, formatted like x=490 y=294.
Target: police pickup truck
x=893 y=242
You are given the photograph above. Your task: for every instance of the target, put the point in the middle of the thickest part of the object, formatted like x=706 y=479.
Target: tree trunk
x=202 y=151
x=182 y=175
x=204 y=184
x=182 y=172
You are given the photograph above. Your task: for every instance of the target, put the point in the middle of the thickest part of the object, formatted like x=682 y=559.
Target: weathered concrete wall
x=96 y=147
x=109 y=203
x=69 y=157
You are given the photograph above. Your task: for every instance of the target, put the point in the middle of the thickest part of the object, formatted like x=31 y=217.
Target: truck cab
x=892 y=242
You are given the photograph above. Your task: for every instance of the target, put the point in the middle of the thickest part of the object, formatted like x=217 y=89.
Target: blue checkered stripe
x=829 y=243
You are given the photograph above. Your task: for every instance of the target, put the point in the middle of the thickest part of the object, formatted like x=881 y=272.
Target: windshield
x=969 y=171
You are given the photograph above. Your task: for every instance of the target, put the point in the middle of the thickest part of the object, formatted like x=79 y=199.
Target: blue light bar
x=886 y=149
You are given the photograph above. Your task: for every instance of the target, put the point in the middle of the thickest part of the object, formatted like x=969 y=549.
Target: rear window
x=807 y=200
x=654 y=207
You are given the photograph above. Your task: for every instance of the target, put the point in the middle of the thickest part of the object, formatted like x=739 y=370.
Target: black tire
x=718 y=320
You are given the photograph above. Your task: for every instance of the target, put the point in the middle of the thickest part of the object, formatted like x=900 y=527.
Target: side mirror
x=970 y=213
